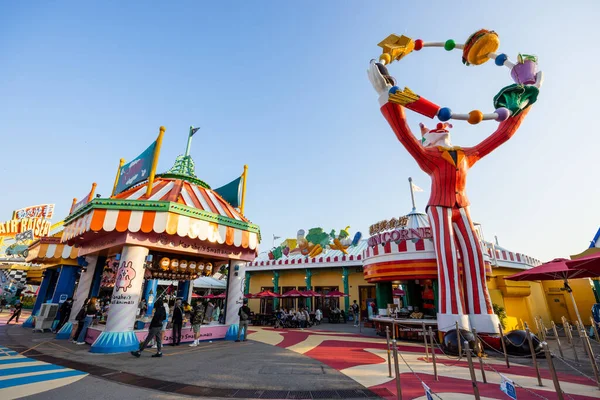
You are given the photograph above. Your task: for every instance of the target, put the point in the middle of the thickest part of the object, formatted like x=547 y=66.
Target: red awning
x=557 y=269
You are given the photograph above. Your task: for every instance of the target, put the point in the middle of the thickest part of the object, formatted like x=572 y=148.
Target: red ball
x=418 y=44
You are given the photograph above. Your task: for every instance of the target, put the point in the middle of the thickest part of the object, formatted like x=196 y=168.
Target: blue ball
x=501 y=59
x=444 y=114
x=394 y=89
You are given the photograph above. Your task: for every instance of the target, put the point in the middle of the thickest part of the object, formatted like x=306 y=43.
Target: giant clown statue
x=463 y=293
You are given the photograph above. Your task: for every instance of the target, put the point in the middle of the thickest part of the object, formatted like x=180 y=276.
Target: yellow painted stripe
x=21 y=364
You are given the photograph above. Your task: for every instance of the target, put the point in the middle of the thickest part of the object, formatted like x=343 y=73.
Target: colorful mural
x=315 y=242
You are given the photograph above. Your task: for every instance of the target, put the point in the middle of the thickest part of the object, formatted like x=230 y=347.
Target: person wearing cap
x=244 y=314
x=463 y=301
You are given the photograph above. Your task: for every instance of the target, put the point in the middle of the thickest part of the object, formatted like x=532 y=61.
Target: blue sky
x=282 y=87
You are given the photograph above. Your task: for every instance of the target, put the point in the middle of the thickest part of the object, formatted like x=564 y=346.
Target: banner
x=137 y=170
x=232 y=192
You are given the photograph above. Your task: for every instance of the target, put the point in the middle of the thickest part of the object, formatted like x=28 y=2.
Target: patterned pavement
x=364 y=359
x=6 y=314
x=21 y=376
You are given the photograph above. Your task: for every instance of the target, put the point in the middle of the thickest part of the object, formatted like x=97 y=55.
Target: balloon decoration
x=315 y=242
x=478 y=49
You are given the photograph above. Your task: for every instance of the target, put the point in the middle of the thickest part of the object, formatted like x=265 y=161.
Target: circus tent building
x=169 y=227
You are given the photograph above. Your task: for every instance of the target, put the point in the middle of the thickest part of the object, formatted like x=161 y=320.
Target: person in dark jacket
x=155 y=331
x=79 y=318
x=65 y=313
x=177 y=322
x=244 y=314
x=90 y=314
x=17 y=312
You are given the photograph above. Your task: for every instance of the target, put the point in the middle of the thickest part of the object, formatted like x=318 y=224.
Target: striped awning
x=175 y=207
x=50 y=250
x=186 y=193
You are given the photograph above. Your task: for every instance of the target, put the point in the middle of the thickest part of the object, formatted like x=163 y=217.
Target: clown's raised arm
x=394 y=113
x=505 y=131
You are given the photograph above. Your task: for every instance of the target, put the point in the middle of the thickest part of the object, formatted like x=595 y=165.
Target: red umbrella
x=336 y=293
x=557 y=269
x=293 y=293
x=311 y=293
x=249 y=296
x=589 y=263
x=398 y=292
x=209 y=296
x=267 y=293
x=196 y=296
x=220 y=296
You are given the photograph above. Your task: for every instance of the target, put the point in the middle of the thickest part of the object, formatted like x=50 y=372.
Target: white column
x=84 y=285
x=127 y=290
x=235 y=291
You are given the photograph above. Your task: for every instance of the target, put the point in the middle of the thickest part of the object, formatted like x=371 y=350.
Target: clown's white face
x=433 y=139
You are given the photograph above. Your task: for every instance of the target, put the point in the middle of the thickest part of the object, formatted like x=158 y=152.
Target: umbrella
x=557 y=269
x=311 y=293
x=398 y=292
x=589 y=263
x=293 y=293
x=220 y=296
x=249 y=296
x=267 y=293
x=196 y=296
x=336 y=293
x=209 y=296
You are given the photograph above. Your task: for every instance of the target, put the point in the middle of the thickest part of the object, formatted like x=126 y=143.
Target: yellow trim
x=155 y=160
x=121 y=163
x=245 y=174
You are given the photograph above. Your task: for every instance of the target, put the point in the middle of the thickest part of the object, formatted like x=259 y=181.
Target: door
x=364 y=293
x=558 y=307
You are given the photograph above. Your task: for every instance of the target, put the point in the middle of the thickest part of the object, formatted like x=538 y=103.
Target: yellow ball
x=475 y=117
x=385 y=58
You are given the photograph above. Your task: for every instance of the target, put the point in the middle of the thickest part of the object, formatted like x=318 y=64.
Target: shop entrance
x=419 y=298
x=558 y=307
x=365 y=293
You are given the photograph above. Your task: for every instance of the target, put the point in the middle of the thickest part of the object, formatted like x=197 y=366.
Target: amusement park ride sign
x=26 y=224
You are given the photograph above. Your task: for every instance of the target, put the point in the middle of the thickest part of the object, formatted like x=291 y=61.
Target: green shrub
x=501 y=313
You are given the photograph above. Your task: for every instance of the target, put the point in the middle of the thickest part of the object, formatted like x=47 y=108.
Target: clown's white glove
x=379 y=82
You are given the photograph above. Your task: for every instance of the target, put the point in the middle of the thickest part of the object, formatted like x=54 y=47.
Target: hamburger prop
x=480 y=47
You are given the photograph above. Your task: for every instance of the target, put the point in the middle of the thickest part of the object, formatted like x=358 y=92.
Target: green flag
x=232 y=192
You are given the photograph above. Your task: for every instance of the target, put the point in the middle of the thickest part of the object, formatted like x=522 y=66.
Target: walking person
x=79 y=318
x=197 y=318
x=244 y=314
x=18 y=307
x=3 y=304
x=155 y=331
x=90 y=314
x=65 y=313
x=177 y=322
x=356 y=313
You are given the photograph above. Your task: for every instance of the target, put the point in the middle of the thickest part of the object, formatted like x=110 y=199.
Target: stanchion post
x=397 y=370
x=544 y=331
x=458 y=340
x=533 y=356
x=588 y=345
x=595 y=326
x=557 y=340
x=503 y=345
x=567 y=329
x=387 y=338
x=479 y=350
x=425 y=340
x=393 y=330
x=431 y=340
x=537 y=325
x=582 y=336
x=471 y=370
x=559 y=392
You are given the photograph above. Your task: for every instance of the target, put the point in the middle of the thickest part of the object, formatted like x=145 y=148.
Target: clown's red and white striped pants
x=462 y=289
